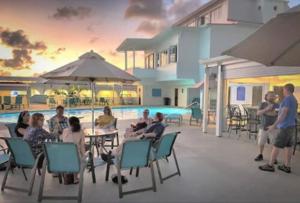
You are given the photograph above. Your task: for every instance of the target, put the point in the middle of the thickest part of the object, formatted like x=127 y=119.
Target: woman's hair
x=35 y=119
x=74 y=124
x=108 y=110
x=21 y=116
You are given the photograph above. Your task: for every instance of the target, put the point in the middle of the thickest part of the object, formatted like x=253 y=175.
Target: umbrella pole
x=93 y=103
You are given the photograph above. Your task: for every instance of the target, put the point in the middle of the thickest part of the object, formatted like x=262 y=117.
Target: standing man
x=268 y=114
x=58 y=122
x=286 y=122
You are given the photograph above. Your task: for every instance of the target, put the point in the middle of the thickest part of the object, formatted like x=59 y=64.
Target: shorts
x=285 y=137
x=263 y=136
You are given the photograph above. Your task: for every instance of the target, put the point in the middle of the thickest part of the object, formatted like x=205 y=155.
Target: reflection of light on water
x=122 y=113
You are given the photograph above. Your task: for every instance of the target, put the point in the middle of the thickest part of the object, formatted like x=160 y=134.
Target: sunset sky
x=37 y=36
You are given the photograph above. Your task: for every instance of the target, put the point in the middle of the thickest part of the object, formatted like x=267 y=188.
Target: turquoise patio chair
x=7 y=102
x=22 y=156
x=62 y=158
x=135 y=154
x=11 y=129
x=196 y=115
x=4 y=157
x=163 y=150
x=19 y=102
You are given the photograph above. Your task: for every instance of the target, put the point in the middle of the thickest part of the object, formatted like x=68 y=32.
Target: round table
x=93 y=136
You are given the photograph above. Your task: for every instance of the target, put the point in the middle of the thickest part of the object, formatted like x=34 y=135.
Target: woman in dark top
x=22 y=124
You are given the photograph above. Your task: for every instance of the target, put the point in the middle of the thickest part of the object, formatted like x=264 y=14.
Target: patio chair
x=135 y=154
x=4 y=156
x=196 y=115
x=11 y=129
x=51 y=102
x=163 y=150
x=62 y=158
x=113 y=137
x=19 y=102
x=23 y=157
x=7 y=102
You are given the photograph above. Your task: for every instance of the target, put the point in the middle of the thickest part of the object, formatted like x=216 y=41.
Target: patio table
x=98 y=134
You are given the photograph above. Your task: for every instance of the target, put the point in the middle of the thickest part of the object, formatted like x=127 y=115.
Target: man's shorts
x=285 y=137
x=263 y=136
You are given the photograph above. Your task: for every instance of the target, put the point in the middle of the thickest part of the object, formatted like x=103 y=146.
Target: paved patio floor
x=213 y=170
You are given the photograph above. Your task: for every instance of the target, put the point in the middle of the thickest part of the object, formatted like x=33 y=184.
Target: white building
x=171 y=66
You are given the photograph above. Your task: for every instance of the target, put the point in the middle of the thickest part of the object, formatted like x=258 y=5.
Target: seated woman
x=74 y=134
x=142 y=122
x=36 y=135
x=22 y=124
x=107 y=120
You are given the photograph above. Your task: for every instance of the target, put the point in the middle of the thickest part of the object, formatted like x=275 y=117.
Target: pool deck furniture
x=135 y=154
x=93 y=142
x=196 y=115
x=22 y=156
x=62 y=158
x=163 y=150
x=174 y=118
x=11 y=129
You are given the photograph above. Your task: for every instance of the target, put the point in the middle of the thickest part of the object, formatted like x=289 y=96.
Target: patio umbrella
x=90 y=67
x=277 y=43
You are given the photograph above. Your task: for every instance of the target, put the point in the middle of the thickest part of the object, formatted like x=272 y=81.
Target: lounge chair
x=163 y=150
x=62 y=158
x=196 y=115
x=22 y=156
x=135 y=154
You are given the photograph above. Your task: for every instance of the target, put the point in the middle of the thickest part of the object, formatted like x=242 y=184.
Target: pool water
x=122 y=113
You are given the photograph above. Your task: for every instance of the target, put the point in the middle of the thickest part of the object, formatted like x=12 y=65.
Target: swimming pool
x=122 y=113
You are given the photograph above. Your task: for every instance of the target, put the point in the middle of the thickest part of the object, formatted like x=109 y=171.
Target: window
x=275 y=8
x=157 y=60
x=150 y=61
x=202 y=20
x=156 y=92
x=241 y=93
x=173 y=54
x=164 y=58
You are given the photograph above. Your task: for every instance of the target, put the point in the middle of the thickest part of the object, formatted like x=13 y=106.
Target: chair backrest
x=62 y=157
x=165 y=145
x=11 y=129
x=21 y=151
x=135 y=153
x=196 y=113
x=7 y=100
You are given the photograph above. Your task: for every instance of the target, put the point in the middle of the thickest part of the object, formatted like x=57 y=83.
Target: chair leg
x=137 y=172
x=153 y=176
x=41 y=189
x=159 y=172
x=112 y=142
x=32 y=178
x=119 y=182
x=117 y=139
x=60 y=178
x=176 y=162
x=107 y=171
x=130 y=172
x=6 y=174
x=24 y=174
x=80 y=184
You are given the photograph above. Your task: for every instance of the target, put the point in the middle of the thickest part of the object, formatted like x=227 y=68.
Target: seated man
x=153 y=131
x=142 y=123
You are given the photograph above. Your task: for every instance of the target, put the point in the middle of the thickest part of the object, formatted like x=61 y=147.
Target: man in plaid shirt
x=58 y=122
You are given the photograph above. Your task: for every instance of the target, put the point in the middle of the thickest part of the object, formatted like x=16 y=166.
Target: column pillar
x=133 y=58
x=205 y=101
x=219 y=116
x=126 y=64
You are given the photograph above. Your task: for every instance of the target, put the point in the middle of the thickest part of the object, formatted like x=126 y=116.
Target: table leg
x=91 y=155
